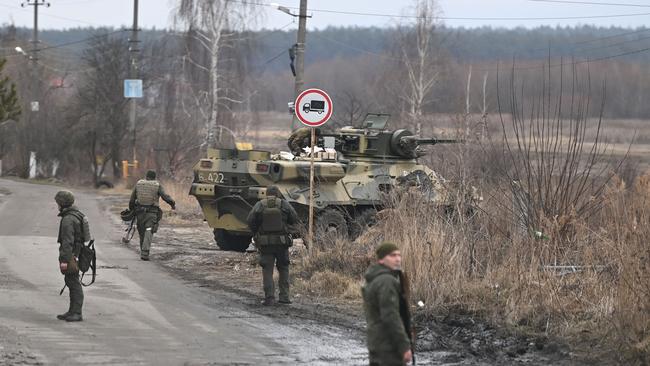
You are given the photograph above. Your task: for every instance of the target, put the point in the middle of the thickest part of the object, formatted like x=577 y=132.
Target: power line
x=82 y=40
x=52 y=15
x=590 y=3
x=612 y=36
x=583 y=49
x=599 y=39
x=560 y=64
x=449 y=18
x=263 y=64
x=74 y=42
x=355 y=48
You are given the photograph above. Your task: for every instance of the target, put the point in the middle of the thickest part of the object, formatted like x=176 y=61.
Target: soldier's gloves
x=63 y=267
x=174 y=207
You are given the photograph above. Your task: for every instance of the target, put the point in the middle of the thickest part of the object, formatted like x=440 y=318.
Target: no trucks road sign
x=313 y=107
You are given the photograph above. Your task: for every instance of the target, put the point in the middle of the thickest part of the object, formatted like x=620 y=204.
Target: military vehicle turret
x=354 y=168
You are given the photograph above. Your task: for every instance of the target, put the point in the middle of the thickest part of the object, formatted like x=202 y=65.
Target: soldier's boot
x=74 y=318
x=64 y=315
x=146 y=244
x=283 y=284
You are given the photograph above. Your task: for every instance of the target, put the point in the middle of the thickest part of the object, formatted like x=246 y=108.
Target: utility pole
x=34 y=92
x=297 y=50
x=134 y=49
x=300 y=48
x=300 y=54
x=35 y=4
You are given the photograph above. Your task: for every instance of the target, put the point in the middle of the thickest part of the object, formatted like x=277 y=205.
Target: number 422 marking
x=213 y=177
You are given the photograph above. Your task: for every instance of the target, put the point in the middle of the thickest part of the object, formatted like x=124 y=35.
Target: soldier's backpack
x=87 y=255
x=272 y=231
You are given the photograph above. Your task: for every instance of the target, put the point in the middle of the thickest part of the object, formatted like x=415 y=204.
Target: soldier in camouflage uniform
x=70 y=240
x=300 y=139
x=269 y=221
x=144 y=200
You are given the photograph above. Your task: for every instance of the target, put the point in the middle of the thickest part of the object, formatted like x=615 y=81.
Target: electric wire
x=446 y=17
x=52 y=15
x=599 y=39
x=590 y=3
x=60 y=45
x=561 y=64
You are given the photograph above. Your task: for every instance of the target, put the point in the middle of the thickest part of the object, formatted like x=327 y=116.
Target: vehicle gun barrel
x=415 y=140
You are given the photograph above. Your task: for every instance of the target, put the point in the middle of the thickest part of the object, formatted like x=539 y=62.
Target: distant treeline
x=463 y=45
x=357 y=63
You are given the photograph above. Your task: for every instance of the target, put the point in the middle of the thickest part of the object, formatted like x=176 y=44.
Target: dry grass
x=488 y=266
x=187 y=208
x=330 y=284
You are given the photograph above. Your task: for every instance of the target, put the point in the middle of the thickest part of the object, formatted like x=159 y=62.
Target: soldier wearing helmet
x=144 y=200
x=269 y=221
x=70 y=240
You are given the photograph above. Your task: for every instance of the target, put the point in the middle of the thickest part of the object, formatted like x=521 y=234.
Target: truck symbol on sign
x=314 y=106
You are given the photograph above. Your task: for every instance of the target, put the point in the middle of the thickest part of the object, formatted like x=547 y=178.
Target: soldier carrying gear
x=70 y=241
x=269 y=221
x=144 y=200
x=300 y=139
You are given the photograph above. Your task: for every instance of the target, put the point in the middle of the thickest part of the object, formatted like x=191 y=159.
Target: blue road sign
x=132 y=88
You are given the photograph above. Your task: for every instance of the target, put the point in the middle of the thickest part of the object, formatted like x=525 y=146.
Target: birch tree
x=420 y=60
x=212 y=24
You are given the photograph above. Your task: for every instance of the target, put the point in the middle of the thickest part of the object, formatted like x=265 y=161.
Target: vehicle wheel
x=329 y=224
x=231 y=242
x=362 y=220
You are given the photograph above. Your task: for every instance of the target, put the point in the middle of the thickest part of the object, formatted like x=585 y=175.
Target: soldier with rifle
x=70 y=239
x=385 y=298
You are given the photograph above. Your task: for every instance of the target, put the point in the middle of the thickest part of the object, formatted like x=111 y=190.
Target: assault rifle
x=405 y=311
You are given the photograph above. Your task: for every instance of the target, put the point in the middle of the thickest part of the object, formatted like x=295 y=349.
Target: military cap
x=385 y=249
x=151 y=174
x=64 y=198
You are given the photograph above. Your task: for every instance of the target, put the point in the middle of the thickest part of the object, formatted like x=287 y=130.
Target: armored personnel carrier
x=354 y=168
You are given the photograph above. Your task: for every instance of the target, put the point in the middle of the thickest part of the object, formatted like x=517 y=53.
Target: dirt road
x=137 y=313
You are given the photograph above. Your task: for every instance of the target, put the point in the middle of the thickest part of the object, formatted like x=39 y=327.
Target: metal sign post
x=313 y=107
x=311 y=189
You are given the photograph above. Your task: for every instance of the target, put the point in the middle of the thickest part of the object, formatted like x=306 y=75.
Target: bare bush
x=554 y=174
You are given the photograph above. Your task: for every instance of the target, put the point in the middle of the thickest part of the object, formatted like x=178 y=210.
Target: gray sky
x=156 y=13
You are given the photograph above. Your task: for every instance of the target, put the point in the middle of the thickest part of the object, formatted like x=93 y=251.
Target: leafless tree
x=420 y=59
x=553 y=171
x=350 y=108
x=100 y=104
x=212 y=24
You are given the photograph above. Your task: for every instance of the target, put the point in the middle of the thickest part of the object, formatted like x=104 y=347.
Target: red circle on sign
x=298 y=110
